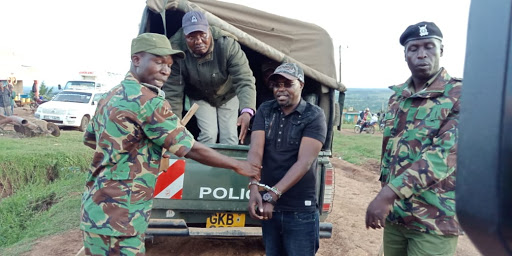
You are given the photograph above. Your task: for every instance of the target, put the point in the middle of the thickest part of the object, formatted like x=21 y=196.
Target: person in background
x=35 y=90
x=265 y=91
x=13 y=95
x=361 y=116
x=416 y=205
x=216 y=75
x=287 y=135
x=5 y=99
x=365 y=119
x=374 y=119
x=133 y=123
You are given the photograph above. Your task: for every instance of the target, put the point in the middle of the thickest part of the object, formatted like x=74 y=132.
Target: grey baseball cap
x=194 y=21
x=290 y=71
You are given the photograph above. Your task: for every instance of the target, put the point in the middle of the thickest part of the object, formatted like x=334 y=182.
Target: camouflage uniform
x=419 y=154
x=133 y=122
x=95 y=244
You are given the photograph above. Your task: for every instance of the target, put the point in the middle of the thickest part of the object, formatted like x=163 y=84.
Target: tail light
x=328 y=189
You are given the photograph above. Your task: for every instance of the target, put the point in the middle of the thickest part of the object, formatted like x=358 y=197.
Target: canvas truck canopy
x=278 y=38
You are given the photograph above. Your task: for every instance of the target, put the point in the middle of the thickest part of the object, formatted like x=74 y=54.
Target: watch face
x=267 y=197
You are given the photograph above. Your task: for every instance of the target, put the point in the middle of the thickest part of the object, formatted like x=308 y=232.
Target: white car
x=73 y=108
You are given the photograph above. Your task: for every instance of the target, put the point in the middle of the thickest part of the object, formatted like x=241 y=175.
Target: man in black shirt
x=287 y=135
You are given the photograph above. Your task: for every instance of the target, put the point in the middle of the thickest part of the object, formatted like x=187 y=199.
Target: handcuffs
x=263 y=187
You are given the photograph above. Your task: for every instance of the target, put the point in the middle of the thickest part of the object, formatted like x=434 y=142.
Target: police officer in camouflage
x=416 y=205
x=132 y=124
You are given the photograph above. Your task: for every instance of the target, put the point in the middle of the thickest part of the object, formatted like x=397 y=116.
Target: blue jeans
x=291 y=233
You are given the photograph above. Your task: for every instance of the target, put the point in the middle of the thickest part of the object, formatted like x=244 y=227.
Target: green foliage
x=360 y=98
x=44 y=91
x=356 y=148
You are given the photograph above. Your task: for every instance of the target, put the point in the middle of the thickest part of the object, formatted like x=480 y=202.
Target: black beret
x=421 y=30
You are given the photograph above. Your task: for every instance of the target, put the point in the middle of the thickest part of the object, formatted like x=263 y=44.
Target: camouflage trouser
x=399 y=240
x=95 y=244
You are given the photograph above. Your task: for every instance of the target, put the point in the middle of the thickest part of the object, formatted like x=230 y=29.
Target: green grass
x=40 y=160
x=356 y=148
x=46 y=178
x=40 y=210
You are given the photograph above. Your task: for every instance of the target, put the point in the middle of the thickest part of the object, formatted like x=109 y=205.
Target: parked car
x=86 y=85
x=73 y=108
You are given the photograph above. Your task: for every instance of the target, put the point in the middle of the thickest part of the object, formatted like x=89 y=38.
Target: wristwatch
x=267 y=197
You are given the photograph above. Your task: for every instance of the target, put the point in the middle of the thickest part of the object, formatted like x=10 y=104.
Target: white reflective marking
x=172 y=189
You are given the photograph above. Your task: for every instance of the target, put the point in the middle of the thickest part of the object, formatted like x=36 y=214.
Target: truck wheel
x=83 y=124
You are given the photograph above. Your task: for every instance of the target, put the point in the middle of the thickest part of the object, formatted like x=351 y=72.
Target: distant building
x=14 y=67
x=350 y=116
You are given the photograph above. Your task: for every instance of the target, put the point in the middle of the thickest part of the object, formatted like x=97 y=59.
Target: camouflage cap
x=156 y=44
x=421 y=30
x=290 y=71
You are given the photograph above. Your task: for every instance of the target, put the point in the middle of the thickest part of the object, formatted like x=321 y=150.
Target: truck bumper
x=178 y=227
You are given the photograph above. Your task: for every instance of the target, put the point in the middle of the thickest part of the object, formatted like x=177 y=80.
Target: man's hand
x=255 y=203
x=243 y=121
x=380 y=208
x=268 y=208
x=249 y=169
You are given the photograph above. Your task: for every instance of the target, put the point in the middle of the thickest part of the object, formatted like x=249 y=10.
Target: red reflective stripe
x=326 y=207
x=178 y=195
x=171 y=181
x=329 y=177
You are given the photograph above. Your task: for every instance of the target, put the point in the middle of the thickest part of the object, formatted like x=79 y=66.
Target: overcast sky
x=63 y=37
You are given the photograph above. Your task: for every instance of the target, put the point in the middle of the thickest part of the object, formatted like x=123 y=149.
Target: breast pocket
x=429 y=120
x=296 y=129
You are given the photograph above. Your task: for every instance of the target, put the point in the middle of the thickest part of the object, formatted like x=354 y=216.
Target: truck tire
x=83 y=123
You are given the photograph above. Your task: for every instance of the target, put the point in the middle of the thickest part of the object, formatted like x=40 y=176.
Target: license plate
x=225 y=220
x=52 y=117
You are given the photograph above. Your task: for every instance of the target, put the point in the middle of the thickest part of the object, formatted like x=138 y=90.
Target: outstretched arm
x=208 y=156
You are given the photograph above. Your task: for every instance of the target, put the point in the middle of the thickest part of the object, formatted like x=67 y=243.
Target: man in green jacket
x=416 y=205
x=216 y=75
